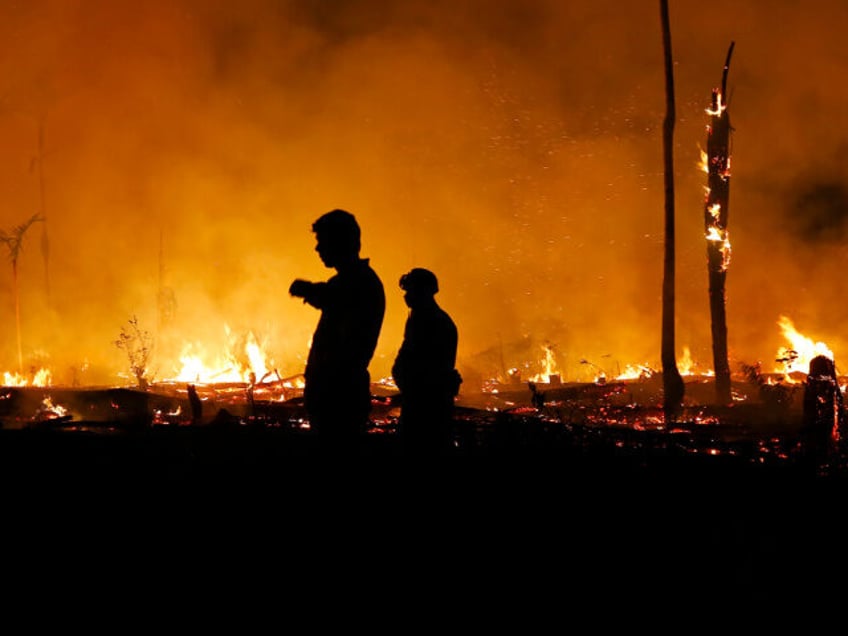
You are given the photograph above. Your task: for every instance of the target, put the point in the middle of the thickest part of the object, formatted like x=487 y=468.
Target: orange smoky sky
x=514 y=147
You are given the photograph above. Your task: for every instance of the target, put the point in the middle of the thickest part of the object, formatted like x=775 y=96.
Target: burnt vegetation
x=137 y=343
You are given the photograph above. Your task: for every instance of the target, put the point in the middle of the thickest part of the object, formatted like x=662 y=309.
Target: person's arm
x=312 y=293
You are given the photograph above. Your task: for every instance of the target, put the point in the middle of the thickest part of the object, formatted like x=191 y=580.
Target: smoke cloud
x=181 y=149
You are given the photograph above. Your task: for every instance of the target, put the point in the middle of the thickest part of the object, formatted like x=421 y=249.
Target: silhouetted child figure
x=424 y=369
x=337 y=384
x=824 y=412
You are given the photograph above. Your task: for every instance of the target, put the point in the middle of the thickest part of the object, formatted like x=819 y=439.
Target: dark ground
x=531 y=518
x=594 y=522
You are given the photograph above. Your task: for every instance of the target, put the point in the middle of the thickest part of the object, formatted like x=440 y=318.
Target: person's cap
x=420 y=280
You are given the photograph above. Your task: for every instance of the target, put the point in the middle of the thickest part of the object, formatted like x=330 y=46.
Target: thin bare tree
x=13 y=240
x=673 y=387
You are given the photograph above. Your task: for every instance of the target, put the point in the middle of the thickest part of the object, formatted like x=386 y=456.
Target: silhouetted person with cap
x=337 y=384
x=424 y=369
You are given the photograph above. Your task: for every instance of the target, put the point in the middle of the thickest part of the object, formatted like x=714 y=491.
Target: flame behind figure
x=235 y=364
x=801 y=351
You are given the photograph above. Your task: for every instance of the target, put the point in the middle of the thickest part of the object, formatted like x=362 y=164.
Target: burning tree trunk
x=673 y=388
x=717 y=165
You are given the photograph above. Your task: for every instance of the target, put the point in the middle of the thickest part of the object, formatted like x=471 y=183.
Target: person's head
x=338 y=237
x=419 y=285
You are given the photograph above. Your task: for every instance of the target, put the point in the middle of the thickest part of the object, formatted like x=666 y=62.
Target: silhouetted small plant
x=138 y=345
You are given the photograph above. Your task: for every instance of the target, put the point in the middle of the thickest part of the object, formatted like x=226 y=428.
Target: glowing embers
x=716 y=163
x=719 y=239
x=50 y=411
x=718 y=107
x=722 y=165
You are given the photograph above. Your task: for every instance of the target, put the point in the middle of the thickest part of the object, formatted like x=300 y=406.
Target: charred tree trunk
x=673 y=388
x=716 y=208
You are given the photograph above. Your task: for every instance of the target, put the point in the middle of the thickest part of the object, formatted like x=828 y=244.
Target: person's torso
x=349 y=327
x=428 y=352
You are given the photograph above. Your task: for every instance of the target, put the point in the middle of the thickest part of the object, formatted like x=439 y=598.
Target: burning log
x=717 y=165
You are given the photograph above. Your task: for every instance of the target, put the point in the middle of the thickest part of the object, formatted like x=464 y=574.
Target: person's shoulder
x=444 y=314
x=365 y=264
x=367 y=280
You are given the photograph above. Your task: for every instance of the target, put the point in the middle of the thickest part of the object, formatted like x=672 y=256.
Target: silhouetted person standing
x=337 y=390
x=424 y=369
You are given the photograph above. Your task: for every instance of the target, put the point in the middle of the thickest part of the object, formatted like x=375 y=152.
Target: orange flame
x=229 y=366
x=549 y=366
x=720 y=106
x=802 y=349
x=42 y=377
